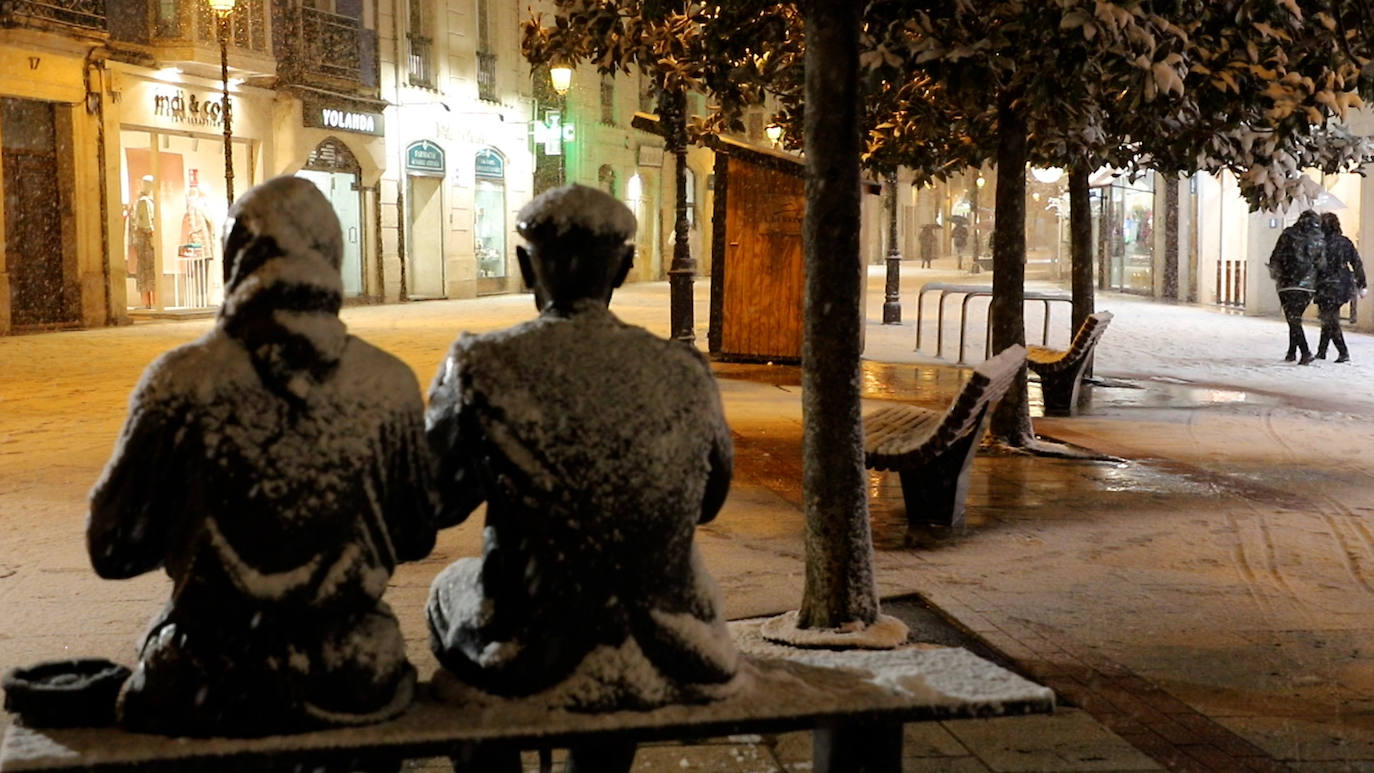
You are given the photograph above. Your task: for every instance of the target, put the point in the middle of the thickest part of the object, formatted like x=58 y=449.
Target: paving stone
x=1068 y=740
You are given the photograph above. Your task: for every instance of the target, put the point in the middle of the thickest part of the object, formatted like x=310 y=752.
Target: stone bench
x=933 y=450
x=1061 y=370
x=855 y=702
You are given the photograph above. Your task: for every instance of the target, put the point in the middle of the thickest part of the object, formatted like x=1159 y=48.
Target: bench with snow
x=932 y=451
x=855 y=702
x=1061 y=370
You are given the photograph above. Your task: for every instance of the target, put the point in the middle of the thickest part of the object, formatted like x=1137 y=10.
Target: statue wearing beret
x=597 y=448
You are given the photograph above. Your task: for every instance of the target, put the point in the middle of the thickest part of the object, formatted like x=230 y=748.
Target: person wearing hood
x=1293 y=266
x=598 y=447
x=276 y=469
x=1342 y=274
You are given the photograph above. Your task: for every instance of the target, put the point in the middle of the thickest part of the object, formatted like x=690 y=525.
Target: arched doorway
x=334 y=169
x=425 y=227
x=489 y=220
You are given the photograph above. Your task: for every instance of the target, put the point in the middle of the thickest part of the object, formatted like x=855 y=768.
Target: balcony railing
x=82 y=14
x=324 y=43
x=194 y=22
x=420 y=62
x=486 y=76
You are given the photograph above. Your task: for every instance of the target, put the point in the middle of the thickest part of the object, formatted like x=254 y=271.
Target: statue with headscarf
x=275 y=468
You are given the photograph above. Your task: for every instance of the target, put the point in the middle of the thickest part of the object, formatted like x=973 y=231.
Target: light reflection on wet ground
x=936 y=384
x=1009 y=489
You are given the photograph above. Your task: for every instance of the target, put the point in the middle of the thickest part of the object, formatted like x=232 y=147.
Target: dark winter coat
x=1342 y=271
x=1294 y=261
x=276 y=469
x=598 y=448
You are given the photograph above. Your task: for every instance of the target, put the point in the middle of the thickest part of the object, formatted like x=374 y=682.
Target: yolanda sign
x=344 y=120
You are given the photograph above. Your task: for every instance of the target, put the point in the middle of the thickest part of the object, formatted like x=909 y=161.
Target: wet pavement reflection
x=1007 y=489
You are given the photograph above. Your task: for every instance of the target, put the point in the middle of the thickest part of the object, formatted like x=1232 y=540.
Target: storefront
x=333 y=168
x=336 y=142
x=1124 y=211
x=175 y=181
x=489 y=220
x=425 y=169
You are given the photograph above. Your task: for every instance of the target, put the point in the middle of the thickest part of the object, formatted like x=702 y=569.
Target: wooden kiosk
x=757 y=286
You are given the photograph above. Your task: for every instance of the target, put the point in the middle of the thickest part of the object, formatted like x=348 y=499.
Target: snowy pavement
x=1227 y=563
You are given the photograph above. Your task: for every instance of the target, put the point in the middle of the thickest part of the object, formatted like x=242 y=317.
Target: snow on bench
x=855 y=702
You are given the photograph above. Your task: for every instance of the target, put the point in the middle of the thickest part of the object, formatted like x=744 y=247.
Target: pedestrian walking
x=927 y=244
x=1293 y=267
x=1339 y=277
x=960 y=234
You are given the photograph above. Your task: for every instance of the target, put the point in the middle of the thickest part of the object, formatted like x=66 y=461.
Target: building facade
x=126 y=133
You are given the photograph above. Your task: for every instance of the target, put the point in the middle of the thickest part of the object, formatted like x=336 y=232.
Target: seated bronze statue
x=597 y=447
x=276 y=469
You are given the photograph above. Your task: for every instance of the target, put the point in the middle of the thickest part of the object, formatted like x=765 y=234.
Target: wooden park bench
x=1061 y=370
x=855 y=702
x=933 y=450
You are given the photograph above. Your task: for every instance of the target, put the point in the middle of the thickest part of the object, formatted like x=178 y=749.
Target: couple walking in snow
x=1313 y=260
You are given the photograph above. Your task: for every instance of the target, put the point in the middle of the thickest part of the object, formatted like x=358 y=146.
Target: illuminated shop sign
x=188 y=108
x=424 y=158
x=489 y=165
x=344 y=120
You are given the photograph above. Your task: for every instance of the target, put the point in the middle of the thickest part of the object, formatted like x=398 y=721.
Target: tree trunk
x=1006 y=314
x=1080 y=243
x=1170 y=283
x=839 y=585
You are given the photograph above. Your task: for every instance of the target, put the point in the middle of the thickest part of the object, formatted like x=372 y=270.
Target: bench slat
x=786 y=695
x=1044 y=359
x=904 y=436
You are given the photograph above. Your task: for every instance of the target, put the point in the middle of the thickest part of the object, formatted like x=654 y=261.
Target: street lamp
x=560 y=75
x=774 y=133
x=892 y=307
x=222 y=9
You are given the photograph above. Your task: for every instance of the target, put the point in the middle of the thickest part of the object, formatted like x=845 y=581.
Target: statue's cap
x=573 y=208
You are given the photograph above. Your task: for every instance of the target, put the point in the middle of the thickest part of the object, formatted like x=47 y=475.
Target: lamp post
x=977 y=218
x=560 y=77
x=892 y=307
x=222 y=9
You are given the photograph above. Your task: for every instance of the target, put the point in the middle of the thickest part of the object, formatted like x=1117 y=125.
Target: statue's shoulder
x=379 y=372
x=191 y=370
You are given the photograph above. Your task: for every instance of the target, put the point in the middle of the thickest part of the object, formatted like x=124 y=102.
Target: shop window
x=173 y=188
x=489 y=213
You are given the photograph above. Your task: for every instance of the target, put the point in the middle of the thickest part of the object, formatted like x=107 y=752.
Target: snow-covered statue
x=276 y=469
x=598 y=447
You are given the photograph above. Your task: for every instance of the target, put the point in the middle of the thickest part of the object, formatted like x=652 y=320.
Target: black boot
x=1306 y=359
x=1344 y=357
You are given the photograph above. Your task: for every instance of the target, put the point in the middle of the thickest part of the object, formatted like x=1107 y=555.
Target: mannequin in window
x=198 y=230
x=141 y=242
